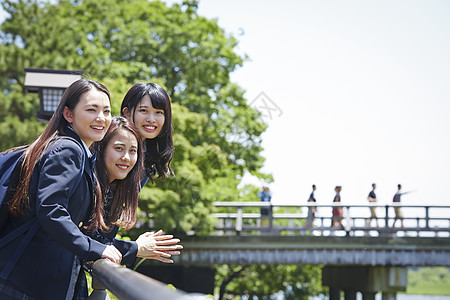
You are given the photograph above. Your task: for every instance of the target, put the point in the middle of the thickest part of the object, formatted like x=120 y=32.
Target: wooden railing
x=245 y=217
x=127 y=284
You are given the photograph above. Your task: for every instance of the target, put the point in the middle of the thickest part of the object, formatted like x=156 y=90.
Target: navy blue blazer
x=128 y=249
x=50 y=265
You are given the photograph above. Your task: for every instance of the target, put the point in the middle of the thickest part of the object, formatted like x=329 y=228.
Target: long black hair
x=56 y=126
x=159 y=151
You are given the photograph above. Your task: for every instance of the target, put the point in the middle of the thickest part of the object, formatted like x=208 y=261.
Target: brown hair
x=124 y=202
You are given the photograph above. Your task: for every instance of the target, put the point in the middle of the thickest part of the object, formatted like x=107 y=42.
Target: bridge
x=355 y=257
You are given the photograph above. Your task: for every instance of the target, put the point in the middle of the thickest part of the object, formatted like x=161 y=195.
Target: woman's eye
x=119 y=148
x=143 y=111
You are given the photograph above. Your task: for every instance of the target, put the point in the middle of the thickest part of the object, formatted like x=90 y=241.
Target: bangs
x=158 y=100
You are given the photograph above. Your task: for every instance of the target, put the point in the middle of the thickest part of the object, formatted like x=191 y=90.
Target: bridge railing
x=130 y=285
x=245 y=217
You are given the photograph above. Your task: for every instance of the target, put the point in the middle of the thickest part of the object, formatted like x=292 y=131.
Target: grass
x=429 y=281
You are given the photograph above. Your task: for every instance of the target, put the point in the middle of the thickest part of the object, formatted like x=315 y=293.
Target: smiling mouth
x=150 y=127
x=98 y=128
x=122 y=167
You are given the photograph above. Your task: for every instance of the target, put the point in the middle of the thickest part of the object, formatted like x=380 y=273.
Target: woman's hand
x=158 y=246
x=113 y=254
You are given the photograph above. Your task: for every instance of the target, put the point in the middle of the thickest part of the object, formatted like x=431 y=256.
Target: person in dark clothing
x=311 y=209
x=372 y=197
x=397 y=209
x=265 y=196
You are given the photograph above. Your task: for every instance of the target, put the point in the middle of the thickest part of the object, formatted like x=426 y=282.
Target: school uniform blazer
x=50 y=265
x=128 y=249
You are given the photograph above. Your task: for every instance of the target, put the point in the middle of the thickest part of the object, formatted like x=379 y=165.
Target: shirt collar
x=88 y=152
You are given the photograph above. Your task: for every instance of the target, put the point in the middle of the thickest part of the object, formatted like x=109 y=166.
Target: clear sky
x=360 y=92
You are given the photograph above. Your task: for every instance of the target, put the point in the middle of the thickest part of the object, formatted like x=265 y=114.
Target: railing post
x=270 y=217
x=239 y=221
x=427 y=217
x=418 y=226
x=321 y=226
x=386 y=218
x=348 y=226
x=99 y=292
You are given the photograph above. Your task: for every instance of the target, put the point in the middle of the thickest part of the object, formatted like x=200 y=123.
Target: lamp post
x=50 y=84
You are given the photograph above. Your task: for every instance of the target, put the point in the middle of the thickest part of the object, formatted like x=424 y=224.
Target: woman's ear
x=68 y=115
x=126 y=113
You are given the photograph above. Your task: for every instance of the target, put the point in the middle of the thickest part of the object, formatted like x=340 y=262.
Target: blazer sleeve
x=128 y=249
x=59 y=169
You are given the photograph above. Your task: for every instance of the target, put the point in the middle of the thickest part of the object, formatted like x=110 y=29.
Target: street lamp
x=50 y=84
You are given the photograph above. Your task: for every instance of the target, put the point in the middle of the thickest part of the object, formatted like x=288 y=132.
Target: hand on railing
x=113 y=254
x=158 y=246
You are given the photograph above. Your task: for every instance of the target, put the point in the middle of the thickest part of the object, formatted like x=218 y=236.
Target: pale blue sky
x=364 y=90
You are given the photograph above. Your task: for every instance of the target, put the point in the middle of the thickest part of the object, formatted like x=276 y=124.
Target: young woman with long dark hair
x=56 y=192
x=148 y=106
x=119 y=169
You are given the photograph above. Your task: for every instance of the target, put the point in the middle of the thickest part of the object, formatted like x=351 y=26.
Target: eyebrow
x=124 y=144
x=96 y=105
x=147 y=106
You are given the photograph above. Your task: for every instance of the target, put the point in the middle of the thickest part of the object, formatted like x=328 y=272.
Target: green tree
x=296 y=281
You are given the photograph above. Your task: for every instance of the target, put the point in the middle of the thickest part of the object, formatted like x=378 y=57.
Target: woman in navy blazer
x=49 y=192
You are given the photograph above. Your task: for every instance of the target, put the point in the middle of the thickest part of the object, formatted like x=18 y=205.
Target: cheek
x=138 y=118
x=108 y=121
x=133 y=162
x=109 y=161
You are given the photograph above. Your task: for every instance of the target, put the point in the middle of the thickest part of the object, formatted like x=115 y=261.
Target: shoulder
x=65 y=148
x=65 y=142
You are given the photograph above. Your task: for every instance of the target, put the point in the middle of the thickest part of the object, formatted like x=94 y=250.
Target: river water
x=399 y=297
x=419 y=297
x=280 y=296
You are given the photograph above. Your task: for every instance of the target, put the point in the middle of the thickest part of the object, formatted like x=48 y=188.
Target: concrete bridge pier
x=365 y=279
